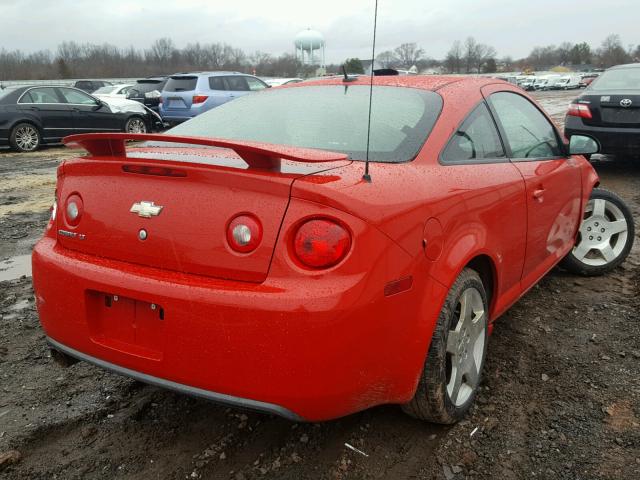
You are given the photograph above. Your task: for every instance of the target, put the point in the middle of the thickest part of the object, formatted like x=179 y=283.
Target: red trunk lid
x=200 y=192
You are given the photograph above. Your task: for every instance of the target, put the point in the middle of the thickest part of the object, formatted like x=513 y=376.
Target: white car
x=113 y=91
x=567 y=82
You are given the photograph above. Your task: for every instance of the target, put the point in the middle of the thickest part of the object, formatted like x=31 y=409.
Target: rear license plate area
x=125 y=324
x=621 y=116
x=176 y=103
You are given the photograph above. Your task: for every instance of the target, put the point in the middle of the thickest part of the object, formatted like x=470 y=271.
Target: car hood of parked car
x=122 y=105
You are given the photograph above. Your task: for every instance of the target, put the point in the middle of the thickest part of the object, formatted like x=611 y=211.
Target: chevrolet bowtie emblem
x=146 y=209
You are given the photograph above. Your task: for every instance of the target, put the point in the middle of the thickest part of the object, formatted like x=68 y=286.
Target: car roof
x=423 y=82
x=625 y=66
x=214 y=73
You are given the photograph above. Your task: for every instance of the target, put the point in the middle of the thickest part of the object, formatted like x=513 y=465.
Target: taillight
x=73 y=209
x=159 y=99
x=244 y=233
x=321 y=243
x=579 y=110
x=199 y=98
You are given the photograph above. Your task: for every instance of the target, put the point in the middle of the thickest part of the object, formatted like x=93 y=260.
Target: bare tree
x=409 y=54
x=612 y=52
x=387 y=59
x=453 y=61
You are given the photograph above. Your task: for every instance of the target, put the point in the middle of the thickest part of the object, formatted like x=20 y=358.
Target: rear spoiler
x=256 y=154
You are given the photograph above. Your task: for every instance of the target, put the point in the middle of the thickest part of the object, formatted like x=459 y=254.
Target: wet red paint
x=261 y=325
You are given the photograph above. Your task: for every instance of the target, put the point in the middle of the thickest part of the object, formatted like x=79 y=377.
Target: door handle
x=538 y=193
x=35 y=109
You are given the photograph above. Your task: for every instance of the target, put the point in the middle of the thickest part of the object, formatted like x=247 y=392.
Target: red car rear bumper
x=311 y=354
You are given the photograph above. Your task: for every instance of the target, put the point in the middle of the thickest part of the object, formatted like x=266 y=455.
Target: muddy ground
x=560 y=397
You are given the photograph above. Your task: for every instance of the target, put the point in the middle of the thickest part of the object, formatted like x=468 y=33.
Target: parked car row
x=33 y=115
x=555 y=81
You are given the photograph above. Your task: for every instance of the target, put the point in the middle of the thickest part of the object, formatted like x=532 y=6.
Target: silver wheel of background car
x=465 y=347
x=603 y=233
x=136 y=125
x=27 y=138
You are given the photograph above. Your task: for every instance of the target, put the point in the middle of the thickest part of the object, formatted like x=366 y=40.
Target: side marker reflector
x=398 y=286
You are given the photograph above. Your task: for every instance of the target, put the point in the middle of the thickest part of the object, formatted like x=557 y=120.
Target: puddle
x=21 y=305
x=15 y=267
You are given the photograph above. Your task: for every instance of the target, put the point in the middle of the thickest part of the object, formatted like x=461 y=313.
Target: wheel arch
x=30 y=121
x=486 y=268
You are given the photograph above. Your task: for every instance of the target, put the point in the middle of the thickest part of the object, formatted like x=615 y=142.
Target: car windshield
x=620 y=79
x=327 y=117
x=106 y=90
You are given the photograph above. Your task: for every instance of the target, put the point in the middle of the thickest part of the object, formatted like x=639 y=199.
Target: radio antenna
x=366 y=177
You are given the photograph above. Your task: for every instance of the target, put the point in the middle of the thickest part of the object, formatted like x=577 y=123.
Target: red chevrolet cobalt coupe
x=243 y=257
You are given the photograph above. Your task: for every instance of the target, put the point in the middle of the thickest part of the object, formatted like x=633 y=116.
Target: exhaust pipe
x=63 y=359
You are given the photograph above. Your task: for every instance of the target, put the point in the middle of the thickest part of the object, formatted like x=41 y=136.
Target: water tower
x=310 y=47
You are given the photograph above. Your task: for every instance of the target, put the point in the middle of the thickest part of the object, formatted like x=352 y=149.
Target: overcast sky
x=513 y=27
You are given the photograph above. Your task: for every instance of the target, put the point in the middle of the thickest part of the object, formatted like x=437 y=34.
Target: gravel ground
x=559 y=400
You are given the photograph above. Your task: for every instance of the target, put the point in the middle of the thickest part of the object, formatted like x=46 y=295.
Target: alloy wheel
x=603 y=233
x=136 y=125
x=465 y=346
x=27 y=138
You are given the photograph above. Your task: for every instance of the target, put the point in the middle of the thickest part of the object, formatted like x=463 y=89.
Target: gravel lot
x=560 y=397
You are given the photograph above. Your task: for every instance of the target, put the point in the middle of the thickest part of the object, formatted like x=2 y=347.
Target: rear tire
x=25 y=137
x=605 y=238
x=452 y=370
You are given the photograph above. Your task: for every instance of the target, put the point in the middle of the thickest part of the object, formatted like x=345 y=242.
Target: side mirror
x=98 y=105
x=583 y=145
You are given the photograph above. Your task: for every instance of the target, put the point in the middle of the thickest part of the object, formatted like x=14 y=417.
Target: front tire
x=605 y=237
x=25 y=137
x=451 y=374
x=135 y=125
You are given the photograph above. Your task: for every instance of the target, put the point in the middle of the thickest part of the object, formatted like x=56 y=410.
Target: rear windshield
x=327 y=117
x=181 y=84
x=144 y=86
x=106 y=90
x=622 y=79
x=6 y=91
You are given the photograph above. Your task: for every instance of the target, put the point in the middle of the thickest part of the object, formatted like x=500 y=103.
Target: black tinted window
x=41 y=95
x=476 y=139
x=237 y=84
x=528 y=133
x=77 y=97
x=216 y=83
x=331 y=118
x=181 y=84
x=619 y=79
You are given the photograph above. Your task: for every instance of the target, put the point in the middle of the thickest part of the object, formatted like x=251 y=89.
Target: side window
x=529 y=134
x=476 y=139
x=216 y=83
x=77 y=97
x=255 y=84
x=237 y=84
x=41 y=95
